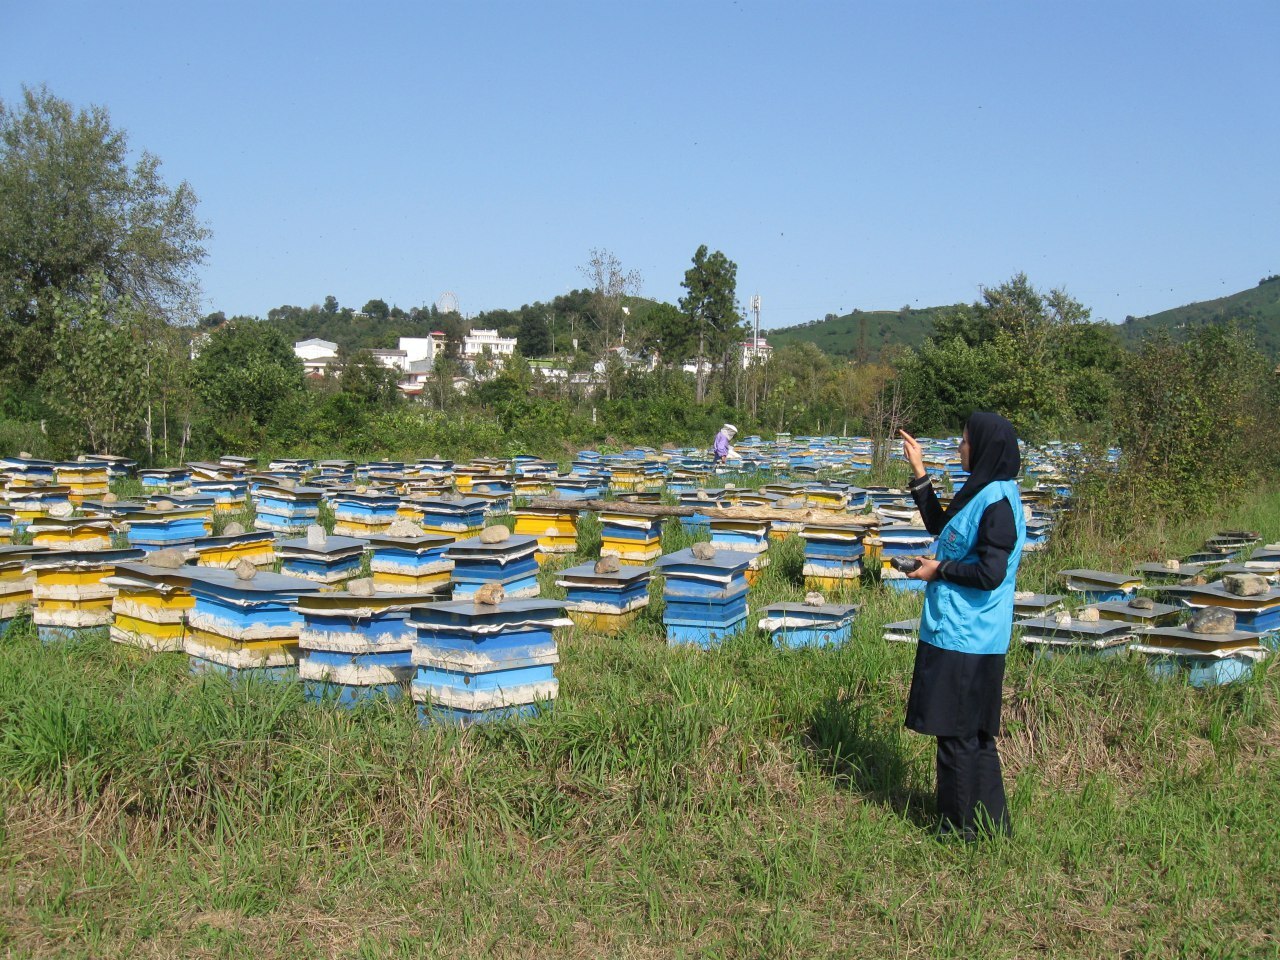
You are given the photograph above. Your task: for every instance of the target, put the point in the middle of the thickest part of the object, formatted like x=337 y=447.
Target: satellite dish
x=448 y=302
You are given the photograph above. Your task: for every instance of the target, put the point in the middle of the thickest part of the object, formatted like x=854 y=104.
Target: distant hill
x=846 y=336
x=1256 y=309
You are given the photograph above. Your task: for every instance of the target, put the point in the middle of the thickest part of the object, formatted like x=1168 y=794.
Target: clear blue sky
x=843 y=154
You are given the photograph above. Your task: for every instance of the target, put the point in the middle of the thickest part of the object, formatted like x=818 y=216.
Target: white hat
x=731 y=428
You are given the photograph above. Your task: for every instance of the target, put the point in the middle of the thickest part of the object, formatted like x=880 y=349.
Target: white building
x=757 y=348
x=479 y=342
x=316 y=355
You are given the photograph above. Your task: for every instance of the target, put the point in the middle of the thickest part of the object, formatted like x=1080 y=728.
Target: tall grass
x=744 y=801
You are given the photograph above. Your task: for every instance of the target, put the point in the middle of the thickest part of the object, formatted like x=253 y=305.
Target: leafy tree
x=73 y=209
x=369 y=382
x=244 y=372
x=97 y=380
x=610 y=285
x=330 y=304
x=671 y=333
x=711 y=303
x=377 y=309
x=534 y=335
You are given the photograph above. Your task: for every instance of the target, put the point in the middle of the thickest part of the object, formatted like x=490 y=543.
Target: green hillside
x=870 y=330
x=1256 y=309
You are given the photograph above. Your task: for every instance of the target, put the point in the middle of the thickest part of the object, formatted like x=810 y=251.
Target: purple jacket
x=721 y=446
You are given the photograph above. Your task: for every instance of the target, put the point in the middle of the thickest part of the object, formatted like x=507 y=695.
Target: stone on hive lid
x=1062 y=619
x=489 y=595
x=170 y=559
x=164 y=504
x=362 y=489
x=61 y=510
x=1023 y=594
x=814 y=599
x=1142 y=603
x=495 y=534
x=1172 y=564
x=702 y=495
x=400 y=527
x=730 y=486
x=791 y=503
x=703 y=551
x=82 y=459
x=233 y=529
x=1212 y=620
x=24 y=455
x=1245 y=584
x=451 y=496
x=362 y=587
x=245 y=570
x=1026 y=512
x=1197 y=581
x=316 y=537
x=608 y=564
x=1088 y=615
x=109 y=497
x=287 y=483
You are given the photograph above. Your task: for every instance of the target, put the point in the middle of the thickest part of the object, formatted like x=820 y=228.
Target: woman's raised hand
x=915 y=456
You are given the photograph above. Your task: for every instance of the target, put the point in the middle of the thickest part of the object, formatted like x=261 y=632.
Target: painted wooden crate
x=244 y=627
x=804 y=625
x=70 y=594
x=605 y=602
x=478 y=662
x=512 y=564
x=415 y=565
x=150 y=607
x=704 y=600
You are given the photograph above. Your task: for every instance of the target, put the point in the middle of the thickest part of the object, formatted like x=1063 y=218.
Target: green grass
x=739 y=802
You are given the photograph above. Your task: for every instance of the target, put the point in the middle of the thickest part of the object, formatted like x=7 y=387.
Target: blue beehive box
x=286 y=509
x=1051 y=635
x=705 y=600
x=1202 y=659
x=832 y=555
x=325 y=562
x=352 y=647
x=1259 y=613
x=360 y=514
x=164 y=478
x=410 y=564
x=808 y=625
x=479 y=662
x=512 y=564
x=244 y=627
x=604 y=601
x=151 y=528
x=456 y=518
x=1099 y=586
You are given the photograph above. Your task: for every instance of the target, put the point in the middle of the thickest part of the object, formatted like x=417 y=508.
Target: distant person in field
x=967 y=620
x=722 y=449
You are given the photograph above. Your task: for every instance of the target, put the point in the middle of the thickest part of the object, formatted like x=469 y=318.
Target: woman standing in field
x=967 y=620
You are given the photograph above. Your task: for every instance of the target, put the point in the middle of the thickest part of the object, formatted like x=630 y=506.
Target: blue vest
x=967 y=619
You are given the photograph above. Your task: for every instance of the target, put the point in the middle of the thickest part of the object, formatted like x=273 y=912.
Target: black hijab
x=993 y=455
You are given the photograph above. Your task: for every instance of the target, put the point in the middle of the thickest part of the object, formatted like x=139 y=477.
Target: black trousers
x=971 y=799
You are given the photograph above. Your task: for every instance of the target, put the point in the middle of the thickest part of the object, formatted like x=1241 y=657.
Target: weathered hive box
x=832 y=555
x=1157 y=615
x=1259 y=613
x=240 y=627
x=7 y=520
x=1037 y=536
x=1203 y=659
x=743 y=536
x=72 y=533
x=229 y=493
x=351 y=648
x=118 y=468
x=1027 y=604
x=150 y=607
x=161 y=479
x=329 y=564
x=339 y=471
x=626 y=476
x=511 y=564
x=16 y=582
x=70 y=593
x=903 y=631
x=634 y=538
x=224 y=552
x=556 y=530
x=701 y=500
x=293 y=466
x=479 y=662
x=86 y=480
x=286 y=509
x=803 y=625
x=239 y=465
x=1099 y=586
x=1099 y=637
x=152 y=528
x=428 y=466
x=364 y=514
x=580 y=486
x=32 y=501
x=1160 y=574
x=411 y=565
x=26 y=472
x=704 y=600
x=1265 y=560
x=605 y=602
x=459 y=518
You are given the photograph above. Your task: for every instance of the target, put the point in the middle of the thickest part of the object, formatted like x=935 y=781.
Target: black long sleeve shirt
x=997 y=536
